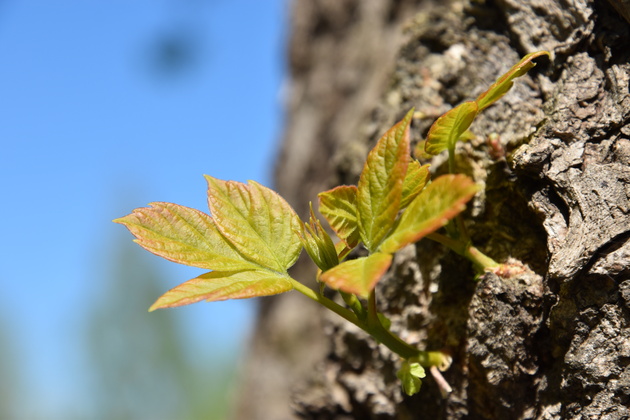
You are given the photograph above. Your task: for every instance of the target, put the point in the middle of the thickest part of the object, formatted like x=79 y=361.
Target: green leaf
x=439 y=202
x=381 y=183
x=505 y=82
x=415 y=181
x=219 y=285
x=183 y=235
x=318 y=243
x=250 y=242
x=339 y=208
x=419 y=152
x=409 y=375
x=358 y=276
x=467 y=136
x=256 y=221
x=447 y=129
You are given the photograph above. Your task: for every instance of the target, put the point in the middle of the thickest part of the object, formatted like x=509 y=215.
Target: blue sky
x=91 y=127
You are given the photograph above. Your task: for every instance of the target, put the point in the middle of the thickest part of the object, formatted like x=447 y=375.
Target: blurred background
x=106 y=106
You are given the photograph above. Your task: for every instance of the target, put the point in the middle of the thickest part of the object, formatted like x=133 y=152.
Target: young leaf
x=250 y=242
x=358 y=276
x=467 y=136
x=505 y=82
x=415 y=181
x=221 y=285
x=257 y=221
x=318 y=244
x=447 y=129
x=339 y=208
x=409 y=375
x=439 y=202
x=381 y=182
x=419 y=152
x=183 y=235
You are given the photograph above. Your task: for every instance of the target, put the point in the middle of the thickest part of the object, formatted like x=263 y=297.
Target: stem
x=396 y=344
x=384 y=336
x=451 y=159
x=353 y=303
x=444 y=387
x=333 y=306
x=453 y=244
x=481 y=261
x=376 y=329
x=435 y=358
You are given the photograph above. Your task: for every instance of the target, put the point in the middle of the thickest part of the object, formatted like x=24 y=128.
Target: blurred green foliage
x=138 y=360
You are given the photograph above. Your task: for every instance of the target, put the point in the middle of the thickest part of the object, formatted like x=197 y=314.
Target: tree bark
x=551 y=338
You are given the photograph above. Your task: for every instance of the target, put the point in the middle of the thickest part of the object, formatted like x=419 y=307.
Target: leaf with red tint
x=250 y=242
x=183 y=235
x=415 y=181
x=439 y=202
x=256 y=221
x=381 y=184
x=318 y=243
x=339 y=208
x=447 y=129
x=505 y=82
x=358 y=276
x=219 y=285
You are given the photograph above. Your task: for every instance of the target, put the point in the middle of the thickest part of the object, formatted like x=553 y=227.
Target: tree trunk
x=550 y=339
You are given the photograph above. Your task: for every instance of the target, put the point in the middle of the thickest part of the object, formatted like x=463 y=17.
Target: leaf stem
x=374 y=328
x=481 y=261
x=397 y=345
x=346 y=314
x=444 y=387
x=451 y=159
x=353 y=303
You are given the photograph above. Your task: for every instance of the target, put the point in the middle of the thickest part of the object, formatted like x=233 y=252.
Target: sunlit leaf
x=358 y=276
x=257 y=221
x=219 y=285
x=419 y=152
x=342 y=250
x=250 y=242
x=318 y=243
x=447 y=129
x=339 y=208
x=415 y=181
x=410 y=375
x=467 y=136
x=381 y=182
x=439 y=202
x=504 y=83
x=183 y=235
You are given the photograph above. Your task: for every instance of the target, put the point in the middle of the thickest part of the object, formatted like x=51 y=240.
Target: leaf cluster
x=393 y=205
x=252 y=236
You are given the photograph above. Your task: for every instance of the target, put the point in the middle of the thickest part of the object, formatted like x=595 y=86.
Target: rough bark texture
x=550 y=341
